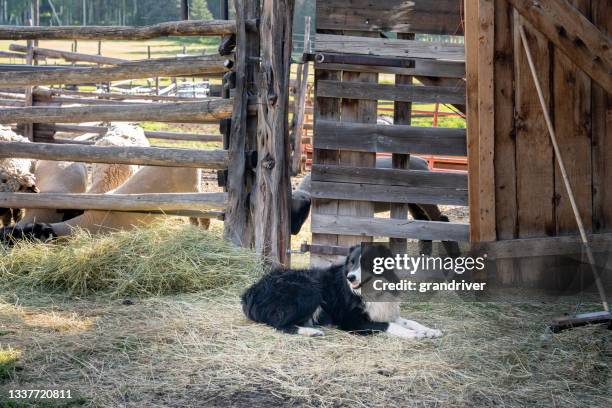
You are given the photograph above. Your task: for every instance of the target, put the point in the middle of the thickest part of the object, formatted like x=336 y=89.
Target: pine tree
x=198 y=10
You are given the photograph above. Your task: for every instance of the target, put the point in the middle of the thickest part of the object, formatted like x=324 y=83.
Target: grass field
x=115 y=345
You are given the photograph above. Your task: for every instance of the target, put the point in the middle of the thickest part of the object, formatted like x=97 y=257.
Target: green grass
x=8 y=361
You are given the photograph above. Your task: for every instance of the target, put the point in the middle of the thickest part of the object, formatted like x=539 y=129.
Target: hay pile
x=166 y=258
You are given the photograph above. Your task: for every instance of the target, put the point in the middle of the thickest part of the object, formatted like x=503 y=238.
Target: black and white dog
x=294 y=301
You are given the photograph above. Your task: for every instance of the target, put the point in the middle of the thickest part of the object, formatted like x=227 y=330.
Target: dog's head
x=353 y=268
x=358 y=257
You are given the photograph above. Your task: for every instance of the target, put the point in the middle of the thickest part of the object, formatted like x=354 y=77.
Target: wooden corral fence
x=517 y=194
x=353 y=49
x=252 y=115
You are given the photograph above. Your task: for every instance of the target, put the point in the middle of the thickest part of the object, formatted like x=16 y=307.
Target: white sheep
x=107 y=177
x=55 y=177
x=148 y=179
x=15 y=175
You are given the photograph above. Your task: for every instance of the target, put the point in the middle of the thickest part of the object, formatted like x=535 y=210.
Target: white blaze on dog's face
x=353 y=267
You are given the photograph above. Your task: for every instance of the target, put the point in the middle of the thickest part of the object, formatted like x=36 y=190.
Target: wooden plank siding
x=390 y=138
x=601 y=114
x=387 y=47
x=364 y=227
x=420 y=16
x=400 y=93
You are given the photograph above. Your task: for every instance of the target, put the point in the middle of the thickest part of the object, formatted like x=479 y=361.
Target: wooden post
x=402 y=115
x=471 y=67
x=28 y=130
x=300 y=102
x=239 y=216
x=184 y=9
x=273 y=191
x=486 y=121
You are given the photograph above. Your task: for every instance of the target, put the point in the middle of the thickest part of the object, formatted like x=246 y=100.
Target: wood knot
x=268 y=162
x=272 y=98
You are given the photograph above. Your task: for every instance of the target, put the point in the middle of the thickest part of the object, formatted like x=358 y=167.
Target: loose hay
x=194 y=350
x=166 y=258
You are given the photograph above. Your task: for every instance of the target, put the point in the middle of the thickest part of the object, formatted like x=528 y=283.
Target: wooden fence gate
x=354 y=55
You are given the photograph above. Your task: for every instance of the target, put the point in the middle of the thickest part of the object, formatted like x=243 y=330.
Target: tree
x=199 y=10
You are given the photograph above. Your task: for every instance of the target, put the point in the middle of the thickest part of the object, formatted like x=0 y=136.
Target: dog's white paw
x=310 y=332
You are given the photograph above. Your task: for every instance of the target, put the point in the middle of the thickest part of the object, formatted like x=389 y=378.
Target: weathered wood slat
x=572 y=33
x=385 y=47
x=471 y=62
x=388 y=194
x=420 y=16
x=486 y=121
x=207 y=64
x=381 y=227
x=403 y=93
x=149 y=156
x=540 y=247
x=389 y=177
x=148 y=133
x=391 y=139
x=573 y=131
x=116 y=202
x=68 y=56
x=433 y=68
x=178 y=28
x=206 y=111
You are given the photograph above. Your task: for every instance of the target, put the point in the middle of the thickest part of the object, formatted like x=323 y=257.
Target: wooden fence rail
x=117 y=202
x=210 y=110
x=207 y=64
x=67 y=55
x=149 y=156
x=178 y=28
x=148 y=133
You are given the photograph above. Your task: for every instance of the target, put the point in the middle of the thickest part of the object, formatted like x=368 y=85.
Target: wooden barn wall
x=528 y=198
x=531 y=200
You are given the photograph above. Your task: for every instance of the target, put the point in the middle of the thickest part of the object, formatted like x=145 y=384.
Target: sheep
x=55 y=177
x=148 y=179
x=301 y=202
x=107 y=177
x=15 y=176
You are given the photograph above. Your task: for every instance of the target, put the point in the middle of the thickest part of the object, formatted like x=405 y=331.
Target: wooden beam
x=172 y=28
x=129 y=70
x=116 y=202
x=402 y=115
x=546 y=246
x=148 y=133
x=273 y=189
x=388 y=194
x=389 y=177
x=420 y=16
x=486 y=121
x=117 y=96
x=471 y=65
x=68 y=56
x=239 y=222
x=433 y=68
x=382 y=227
x=149 y=156
x=401 y=93
x=572 y=33
x=390 y=139
x=209 y=110
x=386 y=47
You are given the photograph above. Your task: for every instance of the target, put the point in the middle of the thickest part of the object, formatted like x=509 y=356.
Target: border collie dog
x=294 y=301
